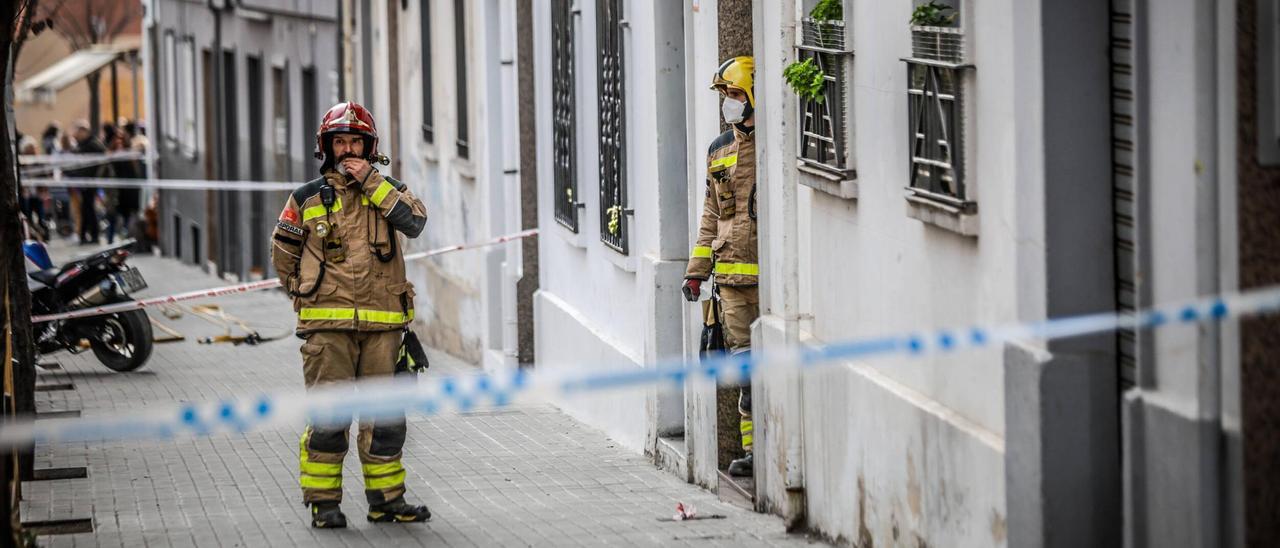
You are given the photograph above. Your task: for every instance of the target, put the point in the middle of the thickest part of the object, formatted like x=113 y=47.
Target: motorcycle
x=121 y=341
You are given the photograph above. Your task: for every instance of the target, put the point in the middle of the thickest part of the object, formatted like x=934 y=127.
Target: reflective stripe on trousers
x=316 y=475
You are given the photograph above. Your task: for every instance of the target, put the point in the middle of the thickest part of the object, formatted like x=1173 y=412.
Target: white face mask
x=732 y=110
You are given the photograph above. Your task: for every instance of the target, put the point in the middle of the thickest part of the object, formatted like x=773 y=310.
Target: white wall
x=899 y=443
x=462 y=296
x=703 y=126
x=596 y=308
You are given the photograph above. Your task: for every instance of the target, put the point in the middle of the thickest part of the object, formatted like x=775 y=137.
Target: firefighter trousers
x=740 y=306
x=330 y=357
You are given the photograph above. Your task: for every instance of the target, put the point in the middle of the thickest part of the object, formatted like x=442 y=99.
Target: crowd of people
x=86 y=213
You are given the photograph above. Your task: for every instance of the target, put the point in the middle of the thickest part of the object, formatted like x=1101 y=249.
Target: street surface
x=518 y=476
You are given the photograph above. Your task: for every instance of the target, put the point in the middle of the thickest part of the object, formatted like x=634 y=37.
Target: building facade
x=442 y=79
x=1002 y=163
x=990 y=163
x=239 y=90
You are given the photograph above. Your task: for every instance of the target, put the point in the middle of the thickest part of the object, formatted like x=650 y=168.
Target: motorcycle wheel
x=125 y=341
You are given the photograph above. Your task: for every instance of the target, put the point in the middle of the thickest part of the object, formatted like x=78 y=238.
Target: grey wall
x=281 y=35
x=1062 y=410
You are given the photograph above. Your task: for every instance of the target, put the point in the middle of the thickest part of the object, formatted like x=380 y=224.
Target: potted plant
x=934 y=34
x=823 y=29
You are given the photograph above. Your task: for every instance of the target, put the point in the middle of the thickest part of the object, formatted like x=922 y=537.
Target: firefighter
x=336 y=250
x=726 y=245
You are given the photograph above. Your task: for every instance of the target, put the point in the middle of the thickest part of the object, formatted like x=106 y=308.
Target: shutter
x=1124 y=179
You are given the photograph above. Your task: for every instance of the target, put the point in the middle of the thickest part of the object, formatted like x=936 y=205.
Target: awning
x=43 y=86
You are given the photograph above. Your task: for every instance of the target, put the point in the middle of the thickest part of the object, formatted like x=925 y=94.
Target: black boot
x=397 y=511
x=742 y=467
x=327 y=515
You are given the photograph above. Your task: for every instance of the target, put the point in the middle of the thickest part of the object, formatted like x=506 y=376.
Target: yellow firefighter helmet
x=737 y=73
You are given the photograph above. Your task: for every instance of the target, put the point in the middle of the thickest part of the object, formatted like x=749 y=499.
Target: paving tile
x=526 y=476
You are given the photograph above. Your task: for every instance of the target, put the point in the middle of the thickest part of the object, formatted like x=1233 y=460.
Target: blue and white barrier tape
x=431 y=394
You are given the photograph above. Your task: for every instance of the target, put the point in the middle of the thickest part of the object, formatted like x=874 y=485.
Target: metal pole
x=115 y=95
x=133 y=73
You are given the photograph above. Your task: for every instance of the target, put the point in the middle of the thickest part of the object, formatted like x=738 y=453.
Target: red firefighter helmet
x=348 y=117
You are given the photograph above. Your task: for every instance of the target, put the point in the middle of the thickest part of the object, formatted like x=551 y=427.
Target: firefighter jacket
x=726 y=244
x=343 y=262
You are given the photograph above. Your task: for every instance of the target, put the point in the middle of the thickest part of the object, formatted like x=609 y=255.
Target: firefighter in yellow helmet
x=336 y=248
x=726 y=245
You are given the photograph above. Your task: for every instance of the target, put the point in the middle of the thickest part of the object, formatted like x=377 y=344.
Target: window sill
x=575 y=239
x=430 y=153
x=625 y=262
x=944 y=216
x=465 y=168
x=826 y=181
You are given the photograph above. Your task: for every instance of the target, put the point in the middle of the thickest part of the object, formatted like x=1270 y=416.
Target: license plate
x=132 y=280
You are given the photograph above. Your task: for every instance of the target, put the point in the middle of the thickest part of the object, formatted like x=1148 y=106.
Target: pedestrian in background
x=88 y=143
x=122 y=204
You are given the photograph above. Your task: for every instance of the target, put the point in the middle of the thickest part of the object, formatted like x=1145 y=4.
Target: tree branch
x=24 y=25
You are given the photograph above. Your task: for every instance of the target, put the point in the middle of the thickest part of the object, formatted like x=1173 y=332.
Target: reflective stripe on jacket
x=727 y=241
x=357 y=291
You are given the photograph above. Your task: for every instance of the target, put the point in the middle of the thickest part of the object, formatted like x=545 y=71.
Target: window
x=280 y=121
x=613 y=130
x=255 y=89
x=170 y=116
x=935 y=108
x=310 y=120
x=177 y=236
x=257 y=163
x=935 y=103
x=564 y=132
x=824 y=125
x=187 y=97
x=230 y=118
x=428 y=110
x=460 y=66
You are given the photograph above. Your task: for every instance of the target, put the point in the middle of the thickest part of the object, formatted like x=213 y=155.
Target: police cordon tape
x=45 y=164
x=75 y=158
x=175 y=184
x=254 y=286
x=238 y=414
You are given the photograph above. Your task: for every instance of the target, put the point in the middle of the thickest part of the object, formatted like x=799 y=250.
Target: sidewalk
x=516 y=476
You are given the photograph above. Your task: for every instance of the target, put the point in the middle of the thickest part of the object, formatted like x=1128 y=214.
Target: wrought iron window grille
x=611 y=74
x=936 y=133
x=936 y=74
x=824 y=125
x=564 y=132
x=460 y=66
x=428 y=106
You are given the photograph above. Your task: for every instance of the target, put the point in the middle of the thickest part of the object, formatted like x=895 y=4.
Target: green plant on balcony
x=933 y=14
x=805 y=77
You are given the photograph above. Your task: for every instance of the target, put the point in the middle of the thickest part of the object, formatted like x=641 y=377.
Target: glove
x=692 y=289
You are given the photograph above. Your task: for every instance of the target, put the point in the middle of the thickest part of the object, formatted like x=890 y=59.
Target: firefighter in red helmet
x=336 y=249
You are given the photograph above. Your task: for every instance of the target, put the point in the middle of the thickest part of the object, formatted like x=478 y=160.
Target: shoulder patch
x=724 y=140
x=290 y=229
x=290 y=215
x=311 y=188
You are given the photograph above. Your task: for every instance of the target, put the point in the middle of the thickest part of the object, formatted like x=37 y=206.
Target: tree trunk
x=15 y=315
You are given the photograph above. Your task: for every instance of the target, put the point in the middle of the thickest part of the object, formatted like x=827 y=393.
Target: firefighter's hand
x=692 y=290
x=358 y=168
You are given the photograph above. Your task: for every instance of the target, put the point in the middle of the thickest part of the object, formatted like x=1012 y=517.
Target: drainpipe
x=513 y=265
